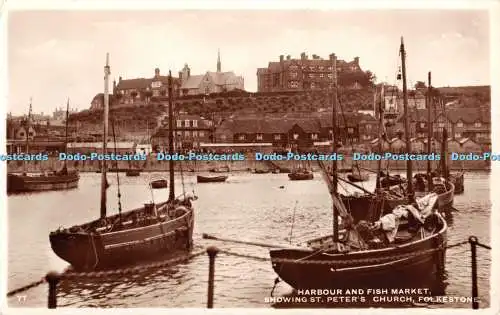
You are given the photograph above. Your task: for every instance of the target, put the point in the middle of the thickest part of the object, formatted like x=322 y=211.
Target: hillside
x=135 y=120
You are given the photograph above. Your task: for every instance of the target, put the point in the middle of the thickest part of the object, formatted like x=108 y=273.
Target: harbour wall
x=153 y=165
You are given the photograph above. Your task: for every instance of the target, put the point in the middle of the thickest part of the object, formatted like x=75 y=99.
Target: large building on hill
x=141 y=91
x=210 y=82
x=309 y=74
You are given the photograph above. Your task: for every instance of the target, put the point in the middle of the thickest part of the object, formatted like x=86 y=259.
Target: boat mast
x=66 y=136
x=171 y=196
x=380 y=133
x=28 y=125
x=429 y=129
x=104 y=182
x=409 y=175
x=334 y=142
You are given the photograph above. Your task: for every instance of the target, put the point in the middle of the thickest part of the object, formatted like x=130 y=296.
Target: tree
x=420 y=85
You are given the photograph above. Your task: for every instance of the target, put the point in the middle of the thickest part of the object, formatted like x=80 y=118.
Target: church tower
x=218 y=61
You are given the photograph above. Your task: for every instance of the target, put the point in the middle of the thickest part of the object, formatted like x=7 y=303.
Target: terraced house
x=286 y=131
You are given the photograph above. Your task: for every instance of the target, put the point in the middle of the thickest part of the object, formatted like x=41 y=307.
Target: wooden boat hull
x=300 y=176
x=357 y=177
x=26 y=183
x=368 y=207
x=352 y=270
x=96 y=251
x=391 y=181
x=210 y=179
x=158 y=184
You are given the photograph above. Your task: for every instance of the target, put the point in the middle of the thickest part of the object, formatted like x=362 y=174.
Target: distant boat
x=261 y=171
x=43 y=181
x=133 y=173
x=223 y=169
x=159 y=183
x=211 y=179
x=301 y=175
x=357 y=176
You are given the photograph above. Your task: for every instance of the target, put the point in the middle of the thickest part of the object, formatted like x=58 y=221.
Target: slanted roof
x=128 y=84
x=193 y=82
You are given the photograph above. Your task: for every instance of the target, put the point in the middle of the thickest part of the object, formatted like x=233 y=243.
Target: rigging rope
x=117 y=173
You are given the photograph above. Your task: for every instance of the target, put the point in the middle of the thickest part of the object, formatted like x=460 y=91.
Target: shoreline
x=152 y=165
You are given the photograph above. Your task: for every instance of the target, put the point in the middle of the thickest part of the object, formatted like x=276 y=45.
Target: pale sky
x=53 y=55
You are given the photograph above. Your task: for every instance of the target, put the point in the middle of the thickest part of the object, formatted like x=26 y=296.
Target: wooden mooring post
x=473 y=247
x=53 y=279
x=212 y=252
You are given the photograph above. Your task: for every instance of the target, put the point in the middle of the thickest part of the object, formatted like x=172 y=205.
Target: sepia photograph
x=249 y=157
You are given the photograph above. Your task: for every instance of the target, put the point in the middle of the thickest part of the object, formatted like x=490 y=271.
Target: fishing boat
x=129 y=237
x=159 y=183
x=211 y=179
x=366 y=254
x=43 y=181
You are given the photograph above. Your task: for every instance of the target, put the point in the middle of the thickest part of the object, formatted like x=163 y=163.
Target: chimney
x=303 y=56
x=288 y=57
x=282 y=58
x=157 y=72
x=114 y=86
x=356 y=60
x=119 y=79
x=332 y=56
x=180 y=75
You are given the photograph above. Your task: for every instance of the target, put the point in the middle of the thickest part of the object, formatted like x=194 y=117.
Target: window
x=179 y=123
x=321 y=75
x=156 y=84
x=422 y=125
x=156 y=93
x=295 y=136
x=201 y=134
x=187 y=133
x=311 y=68
x=441 y=124
x=195 y=134
x=277 y=137
x=21 y=134
x=259 y=136
x=477 y=124
x=350 y=130
x=330 y=75
x=314 y=136
x=321 y=68
x=311 y=75
x=186 y=123
x=330 y=68
x=195 y=123
x=241 y=137
x=312 y=85
x=207 y=90
x=458 y=135
x=223 y=137
x=460 y=124
x=293 y=74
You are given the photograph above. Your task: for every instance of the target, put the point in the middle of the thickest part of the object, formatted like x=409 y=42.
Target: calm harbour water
x=248 y=206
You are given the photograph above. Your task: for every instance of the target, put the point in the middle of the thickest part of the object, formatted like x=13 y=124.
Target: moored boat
x=301 y=175
x=133 y=173
x=44 y=181
x=357 y=177
x=156 y=229
x=397 y=249
x=210 y=179
x=159 y=183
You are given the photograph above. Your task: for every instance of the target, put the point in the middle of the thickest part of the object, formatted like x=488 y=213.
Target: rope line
x=301 y=261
